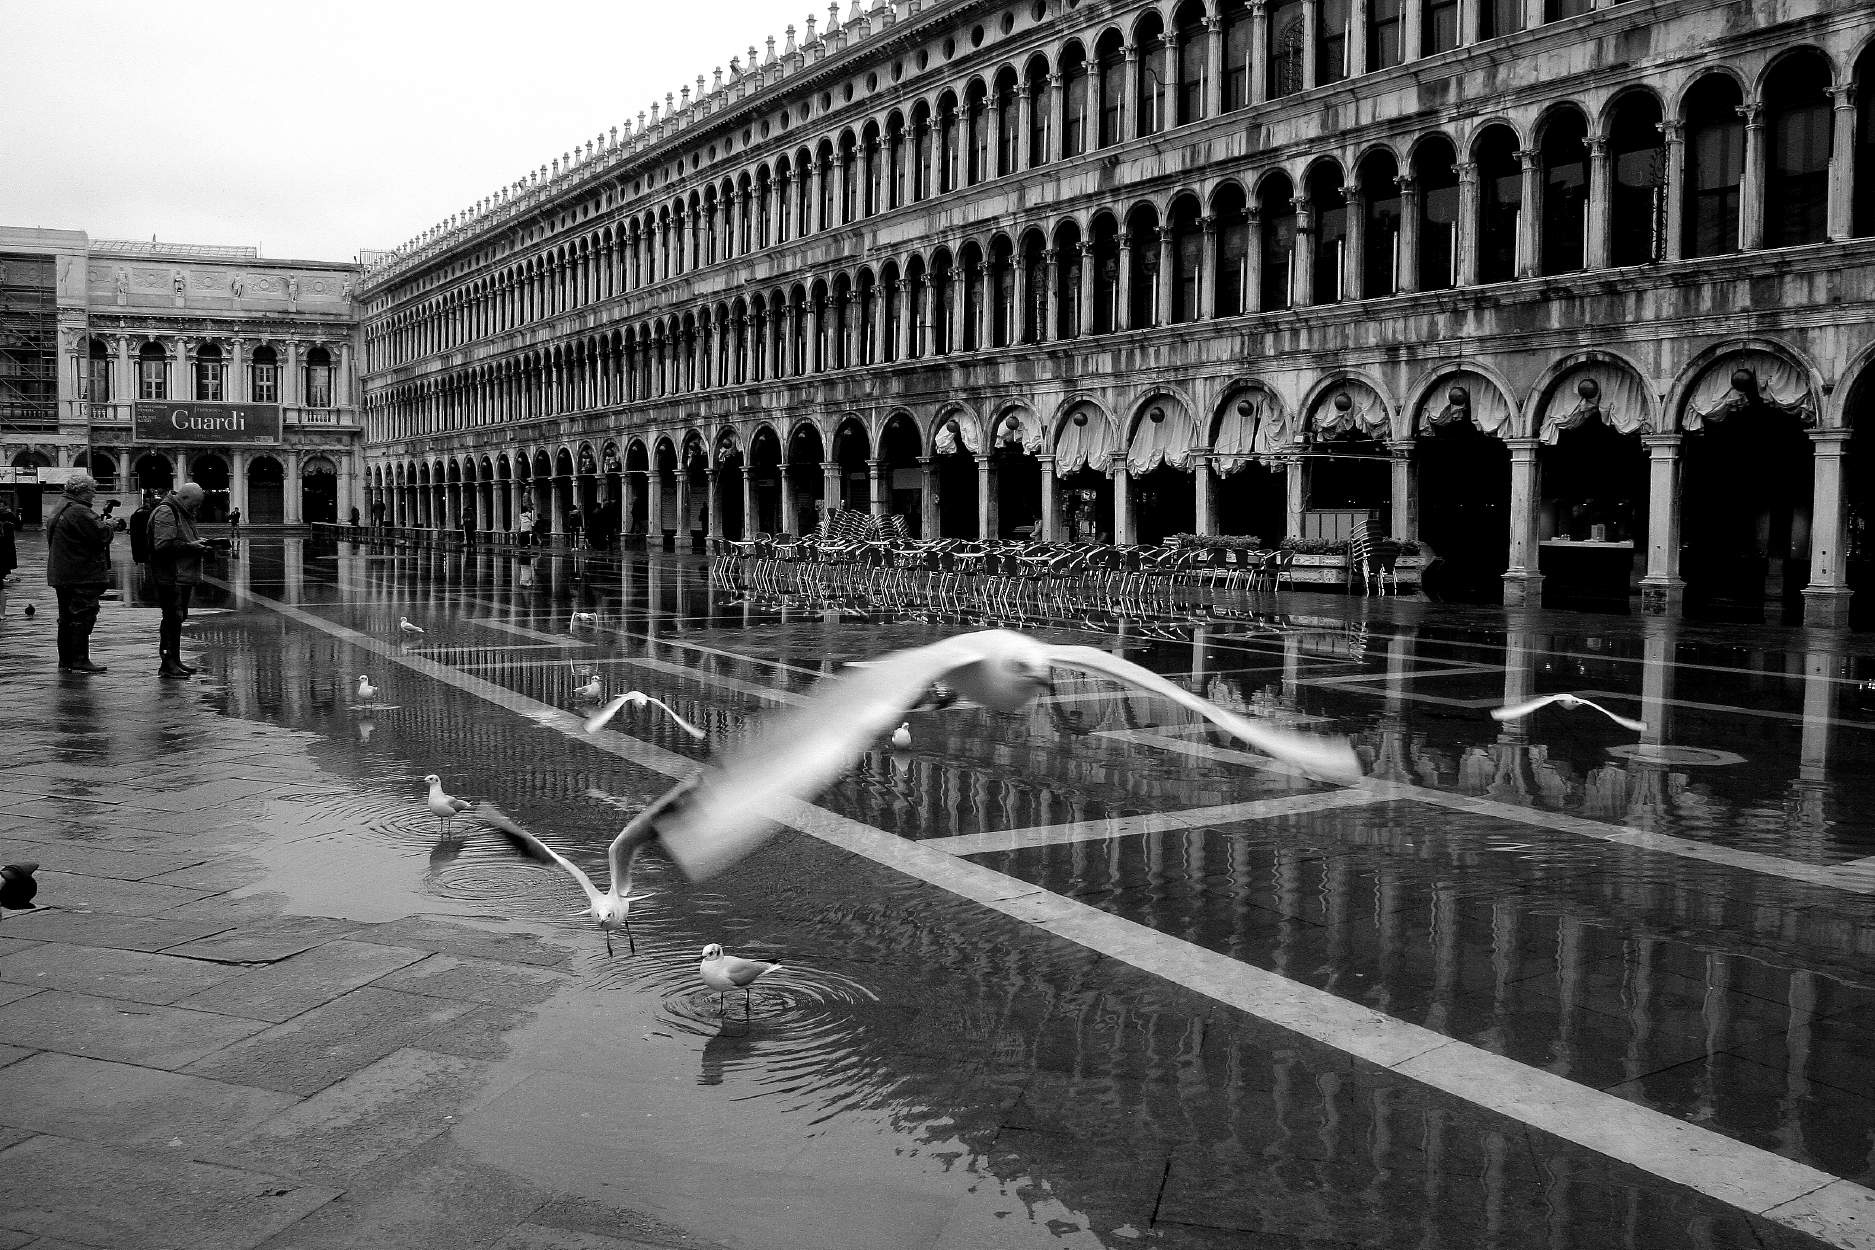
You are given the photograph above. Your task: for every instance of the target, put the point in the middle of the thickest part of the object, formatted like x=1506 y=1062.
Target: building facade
x=147 y=364
x=1569 y=291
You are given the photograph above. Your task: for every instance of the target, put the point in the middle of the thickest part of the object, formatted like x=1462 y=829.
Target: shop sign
x=207 y=424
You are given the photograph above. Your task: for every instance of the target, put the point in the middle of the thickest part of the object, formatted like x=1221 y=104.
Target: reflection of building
x=145 y=363
x=1547 y=306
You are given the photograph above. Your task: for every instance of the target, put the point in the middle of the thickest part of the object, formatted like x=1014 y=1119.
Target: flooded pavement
x=1086 y=975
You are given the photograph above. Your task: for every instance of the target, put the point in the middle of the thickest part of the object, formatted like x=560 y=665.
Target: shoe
x=187 y=668
x=86 y=666
x=172 y=670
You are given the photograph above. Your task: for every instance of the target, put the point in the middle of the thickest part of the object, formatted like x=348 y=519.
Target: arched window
x=1288 y=44
x=1239 y=37
x=1193 y=48
x=1277 y=212
x=1565 y=155
x=895 y=161
x=97 y=377
x=1715 y=166
x=1076 y=104
x=1187 y=254
x=1638 y=156
x=783 y=199
x=1797 y=133
x=1112 y=60
x=977 y=128
x=950 y=142
x=1147 y=304
x=943 y=303
x=1333 y=18
x=1439 y=26
x=874 y=159
x=867 y=296
x=1106 y=258
x=1068 y=276
x=921 y=153
x=1500 y=17
x=891 y=315
x=1002 y=278
x=1435 y=170
x=1233 y=251
x=1008 y=127
x=152 y=372
x=1500 y=203
x=1380 y=225
x=318 y=378
x=1036 y=91
x=210 y=374
x=1328 y=203
x=1152 y=111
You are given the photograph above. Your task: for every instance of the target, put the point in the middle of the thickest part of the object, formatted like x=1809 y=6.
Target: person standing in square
x=78 y=568
x=176 y=567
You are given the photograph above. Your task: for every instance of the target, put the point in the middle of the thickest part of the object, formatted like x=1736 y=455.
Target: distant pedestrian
x=176 y=567
x=354 y=522
x=78 y=568
x=543 y=528
x=524 y=527
x=377 y=514
x=468 y=527
x=234 y=523
x=9 y=553
x=575 y=524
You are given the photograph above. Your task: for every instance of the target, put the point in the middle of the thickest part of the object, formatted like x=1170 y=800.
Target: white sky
x=314 y=131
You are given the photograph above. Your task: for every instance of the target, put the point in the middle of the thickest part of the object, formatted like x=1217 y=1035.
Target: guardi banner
x=219 y=424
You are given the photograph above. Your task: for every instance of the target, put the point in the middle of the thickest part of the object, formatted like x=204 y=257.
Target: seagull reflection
x=731 y=1046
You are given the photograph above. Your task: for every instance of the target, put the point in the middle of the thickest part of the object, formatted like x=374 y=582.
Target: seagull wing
x=1638 y=726
x=458 y=805
x=641 y=829
x=1323 y=757
x=499 y=820
x=687 y=727
x=1516 y=710
x=745 y=971
x=598 y=720
x=803 y=752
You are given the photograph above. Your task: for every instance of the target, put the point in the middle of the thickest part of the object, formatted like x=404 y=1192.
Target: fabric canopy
x=1027 y=435
x=1485 y=405
x=1619 y=399
x=1084 y=446
x=1241 y=437
x=946 y=441
x=1781 y=386
x=1365 y=413
x=1167 y=442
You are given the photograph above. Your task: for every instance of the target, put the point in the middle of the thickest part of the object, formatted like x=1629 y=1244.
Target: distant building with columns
x=146 y=364
x=1579 y=294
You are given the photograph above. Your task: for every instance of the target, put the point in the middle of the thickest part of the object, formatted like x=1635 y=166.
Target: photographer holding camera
x=78 y=568
x=176 y=568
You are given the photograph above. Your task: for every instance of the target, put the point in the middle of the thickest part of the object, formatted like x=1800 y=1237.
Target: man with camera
x=78 y=568
x=176 y=567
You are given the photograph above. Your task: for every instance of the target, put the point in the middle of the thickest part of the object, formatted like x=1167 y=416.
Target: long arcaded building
x=1571 y=292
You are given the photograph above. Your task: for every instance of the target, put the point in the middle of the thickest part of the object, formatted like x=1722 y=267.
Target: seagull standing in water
x=637 y=698
x=723 y=973
x=585 y=618
x=1517 y=711
x=590 y=692
x=366 y=691
x=444 y=806
x=901 y=737
x=403 y=623
x=612 y=909
x=737 y=807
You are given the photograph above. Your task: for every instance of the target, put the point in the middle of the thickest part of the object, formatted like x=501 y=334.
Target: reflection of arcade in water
x=255 y=482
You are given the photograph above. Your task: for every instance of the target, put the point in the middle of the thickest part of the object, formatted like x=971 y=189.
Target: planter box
x=1320 y=561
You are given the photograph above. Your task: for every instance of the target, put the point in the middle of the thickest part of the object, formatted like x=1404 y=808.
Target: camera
x=109 y=504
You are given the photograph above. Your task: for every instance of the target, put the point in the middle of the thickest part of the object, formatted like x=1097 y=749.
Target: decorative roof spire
x=771 y=46
x=833 y=16
x=810 y=28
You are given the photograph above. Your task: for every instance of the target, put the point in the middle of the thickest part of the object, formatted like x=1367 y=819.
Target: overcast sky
x=314 y=131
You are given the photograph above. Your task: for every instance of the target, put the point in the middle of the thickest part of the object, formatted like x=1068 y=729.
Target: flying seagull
x=612 y=909
x=403 y=623
x=445 y=807
x=810 y=747
x=723 y=973
x=1518 y=710
x=637 y=698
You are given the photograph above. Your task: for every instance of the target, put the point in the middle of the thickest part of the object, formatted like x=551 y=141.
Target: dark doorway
x=210 y=472
x=1165 y=501
x=1253 y=502
x=1464 y=513
x=1352 y=472
x=1087 y=506
x=1594 y=490
x=266 y=492
x=957 y=495
x=1745 y=494
x=1018 y=494
x=319 y=494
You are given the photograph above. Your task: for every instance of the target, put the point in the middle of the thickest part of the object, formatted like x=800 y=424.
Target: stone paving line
x=1836 y=1211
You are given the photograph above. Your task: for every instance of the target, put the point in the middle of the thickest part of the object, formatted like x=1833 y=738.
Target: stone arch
x=1795 y=385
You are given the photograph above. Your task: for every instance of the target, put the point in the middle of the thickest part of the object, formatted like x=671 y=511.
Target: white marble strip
x=1830 y=876
x=1838 y=1212
x=1151 y=822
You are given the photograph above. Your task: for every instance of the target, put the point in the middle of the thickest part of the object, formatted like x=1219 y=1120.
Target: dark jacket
x=78 y=545
x=140 y=534
x=9 y=555
x=175 y=551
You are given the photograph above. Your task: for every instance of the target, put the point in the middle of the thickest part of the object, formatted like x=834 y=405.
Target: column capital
x=1598 y=147
x=1401 y=448
x=1467 y=171
x=1527 y=158
x=1672 y=130
x=1830 y=440
x=1663 y=441
x=1844 y=97
x=1752 y=113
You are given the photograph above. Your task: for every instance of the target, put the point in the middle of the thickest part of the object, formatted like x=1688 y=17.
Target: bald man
x=176 y=568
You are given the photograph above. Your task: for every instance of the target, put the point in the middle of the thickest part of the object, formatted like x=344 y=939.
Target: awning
x=1239 y=437
x=1168 y=442
x=1084 y=446
x=1595 y=391
x=947 y=440
x=1364 y=413
x=1773 y=381
x=1483 y=404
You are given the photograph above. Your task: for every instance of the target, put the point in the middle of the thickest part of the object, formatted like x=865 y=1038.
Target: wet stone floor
x=268 y=1002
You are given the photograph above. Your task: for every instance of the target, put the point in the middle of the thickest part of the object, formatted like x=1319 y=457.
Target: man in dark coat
x=176 y=567
x=9 y=554
x=78 y=568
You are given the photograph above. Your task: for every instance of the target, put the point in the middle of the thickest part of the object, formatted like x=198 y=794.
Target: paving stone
x=101 y=1028
x=10 y=1135
x=280 y=991
x=96 y=861
x=136 y=976
x=329 y=1043
x=125 y=1104
x=477 y=981
x=9 y=945
x=265 y=943
x=130 y=933
x=426 y=933
x=131 y=1199
x=76 y=892
x=13 y=1054
x=10 y=993
x=541 y=1237
x=479 y=1033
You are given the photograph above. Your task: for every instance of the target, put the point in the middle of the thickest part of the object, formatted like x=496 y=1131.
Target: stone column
x=816 y=346
x=1354 y=246
x=1051 y=501
x=817 y=177
x=1253 y=263
x=237 y=481
x=713 y=476
x=1406 y=280
x=1056 y=138
x=1302 y=292
x=1826 y=598
x=126 y=371
x=683 y=503
x=1523 y=580
x=930 y=515
x=1295 y=497
x=1661 y=589
x=654 y=505
x=1204 y=482
x=1123 y=315
x=1405 y=490
x=1259 y=51
x=1207 y=269
x=1751 y=194
x=1129 y=96
x=1530 y=215
x=1025 y=125
x=1842 y=171
x=850 y=315
x=921 y=343
x=1674 y=133
x=1048 y=318
x=291 y=384
x=1124 y=527
x=1412 y=42
x=1311 y=32
x=988 y=518
x=833 y=485
x=294 y=487
x=1356 y=42
x=1601 y=203
x=1467 y=241
x=238 y=390
x=751 y=523
x=1084 y=297
x=1213 y=93
x=877 y=487
x=1019 y=300
x=181 y=380
x=1162 y=281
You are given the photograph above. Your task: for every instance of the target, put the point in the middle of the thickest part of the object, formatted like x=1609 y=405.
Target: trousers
x=78 y=612
x=174 y=600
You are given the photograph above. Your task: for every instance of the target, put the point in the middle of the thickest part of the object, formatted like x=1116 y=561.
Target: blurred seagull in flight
x=723 y=973
x=366 y=691
x=403 y=623
x=1517 y=711
x=637 y=698
x=612 y=909
x=445 y=807
x=807 y=749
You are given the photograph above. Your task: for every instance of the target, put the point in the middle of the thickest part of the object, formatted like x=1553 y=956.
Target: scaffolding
x=29 y=342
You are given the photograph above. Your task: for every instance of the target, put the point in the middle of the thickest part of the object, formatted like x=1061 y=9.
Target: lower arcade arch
x=1464 y=488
